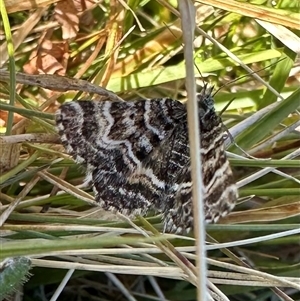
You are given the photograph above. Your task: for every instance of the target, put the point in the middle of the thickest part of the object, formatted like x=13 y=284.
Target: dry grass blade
x=256 y=11
x=187 y=12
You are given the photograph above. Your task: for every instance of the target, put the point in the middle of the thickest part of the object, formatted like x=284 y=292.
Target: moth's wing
x=219 y=189
x=115 y=140
x=161 y=168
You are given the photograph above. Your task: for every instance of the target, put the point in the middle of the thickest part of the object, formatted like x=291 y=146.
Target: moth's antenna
x=199 y=71
x=226 y=106
x=246 y=75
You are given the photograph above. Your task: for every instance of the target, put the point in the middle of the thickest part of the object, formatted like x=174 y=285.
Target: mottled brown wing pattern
x=137 y=158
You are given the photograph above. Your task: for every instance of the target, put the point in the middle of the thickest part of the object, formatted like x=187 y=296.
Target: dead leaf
x=83 y=5
x=9 y=157
x=66 y=14
x=13 y=6
x=49 y=58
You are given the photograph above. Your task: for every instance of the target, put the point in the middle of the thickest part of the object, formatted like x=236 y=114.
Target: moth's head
x=205 y=100
x=206 y=109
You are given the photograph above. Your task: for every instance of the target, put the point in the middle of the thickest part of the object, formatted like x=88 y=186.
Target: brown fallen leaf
x=66 y=14
x=13 y=6
x=9 y=156
x=49 y=58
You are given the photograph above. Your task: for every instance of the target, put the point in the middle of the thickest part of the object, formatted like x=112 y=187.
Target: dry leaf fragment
x=67 y=15
x=49 y=58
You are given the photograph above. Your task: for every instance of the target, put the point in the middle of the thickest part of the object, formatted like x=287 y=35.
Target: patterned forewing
x=116 y=141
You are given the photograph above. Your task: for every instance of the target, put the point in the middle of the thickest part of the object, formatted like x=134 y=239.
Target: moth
x=137 y=157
